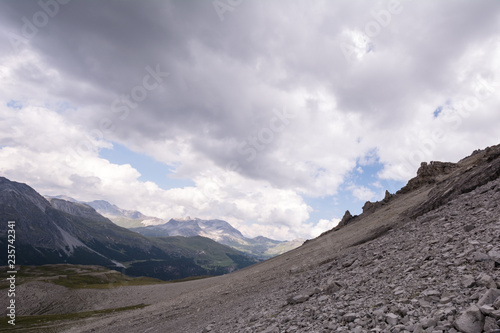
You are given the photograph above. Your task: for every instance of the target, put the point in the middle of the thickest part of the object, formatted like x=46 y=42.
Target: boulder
x=391 y=319
x=495 y=256
x=470 y=321
x=496 y=303
x=489 y=297
x=333 y=286
x=468 y=281
x=490 y=325
x=301 y=298
x=486 y=281
x=350 y=317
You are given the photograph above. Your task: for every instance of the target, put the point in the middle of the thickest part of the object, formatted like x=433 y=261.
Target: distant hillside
x=218 y=230
x=119 y=216
x=58 y=231
x=105 y=208
x=222 y=232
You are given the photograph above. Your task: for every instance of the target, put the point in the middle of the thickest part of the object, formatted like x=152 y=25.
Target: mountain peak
x=62 y=197
x=185 y=218
x=111 y=210
x=11 y=191
x=222 y=232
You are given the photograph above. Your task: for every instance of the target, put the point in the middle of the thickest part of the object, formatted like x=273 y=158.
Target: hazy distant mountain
x=217 y=230
x=123 y=217
x=62 y=197
x=119 y=216
x=58 y=231
x=222 y=232
x=105 y=208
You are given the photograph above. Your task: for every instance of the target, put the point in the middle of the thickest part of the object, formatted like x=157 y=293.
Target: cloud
x=86 y=74
x=362 y=193
x=324 y=225
x=43 y=161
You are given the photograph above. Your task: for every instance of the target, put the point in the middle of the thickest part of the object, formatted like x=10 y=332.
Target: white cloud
x=215 y=115
x=47 y=161
x=323 y=225
x=361 y=193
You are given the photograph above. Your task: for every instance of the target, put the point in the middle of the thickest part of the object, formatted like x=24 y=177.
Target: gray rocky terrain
x=426 y=259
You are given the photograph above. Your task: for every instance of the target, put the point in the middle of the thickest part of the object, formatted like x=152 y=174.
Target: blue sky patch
x=365 y=174
x=149 y=168
x=15 y=104
x=438 y=111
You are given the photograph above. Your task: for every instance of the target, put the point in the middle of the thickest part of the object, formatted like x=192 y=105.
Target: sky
x=276 y=116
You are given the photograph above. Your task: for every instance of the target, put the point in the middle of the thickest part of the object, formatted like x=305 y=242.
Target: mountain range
x=122 y=217
x=222 y=232
x=218 y=230
x=52 y=231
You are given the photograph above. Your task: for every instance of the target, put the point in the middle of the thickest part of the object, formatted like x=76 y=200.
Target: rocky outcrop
x=428 y=174
x=449 y=179
x=370 y=207
x=345 y=219
x=476 y=170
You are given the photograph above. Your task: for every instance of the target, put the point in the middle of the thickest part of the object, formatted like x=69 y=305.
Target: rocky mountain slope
x=425 y=259
x=222 y=232
x=58 y=231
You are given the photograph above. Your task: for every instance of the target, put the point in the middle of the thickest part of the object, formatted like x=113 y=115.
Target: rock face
x=453 y=179
x=429 y=174
x=476 y=170
x=372 y=206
